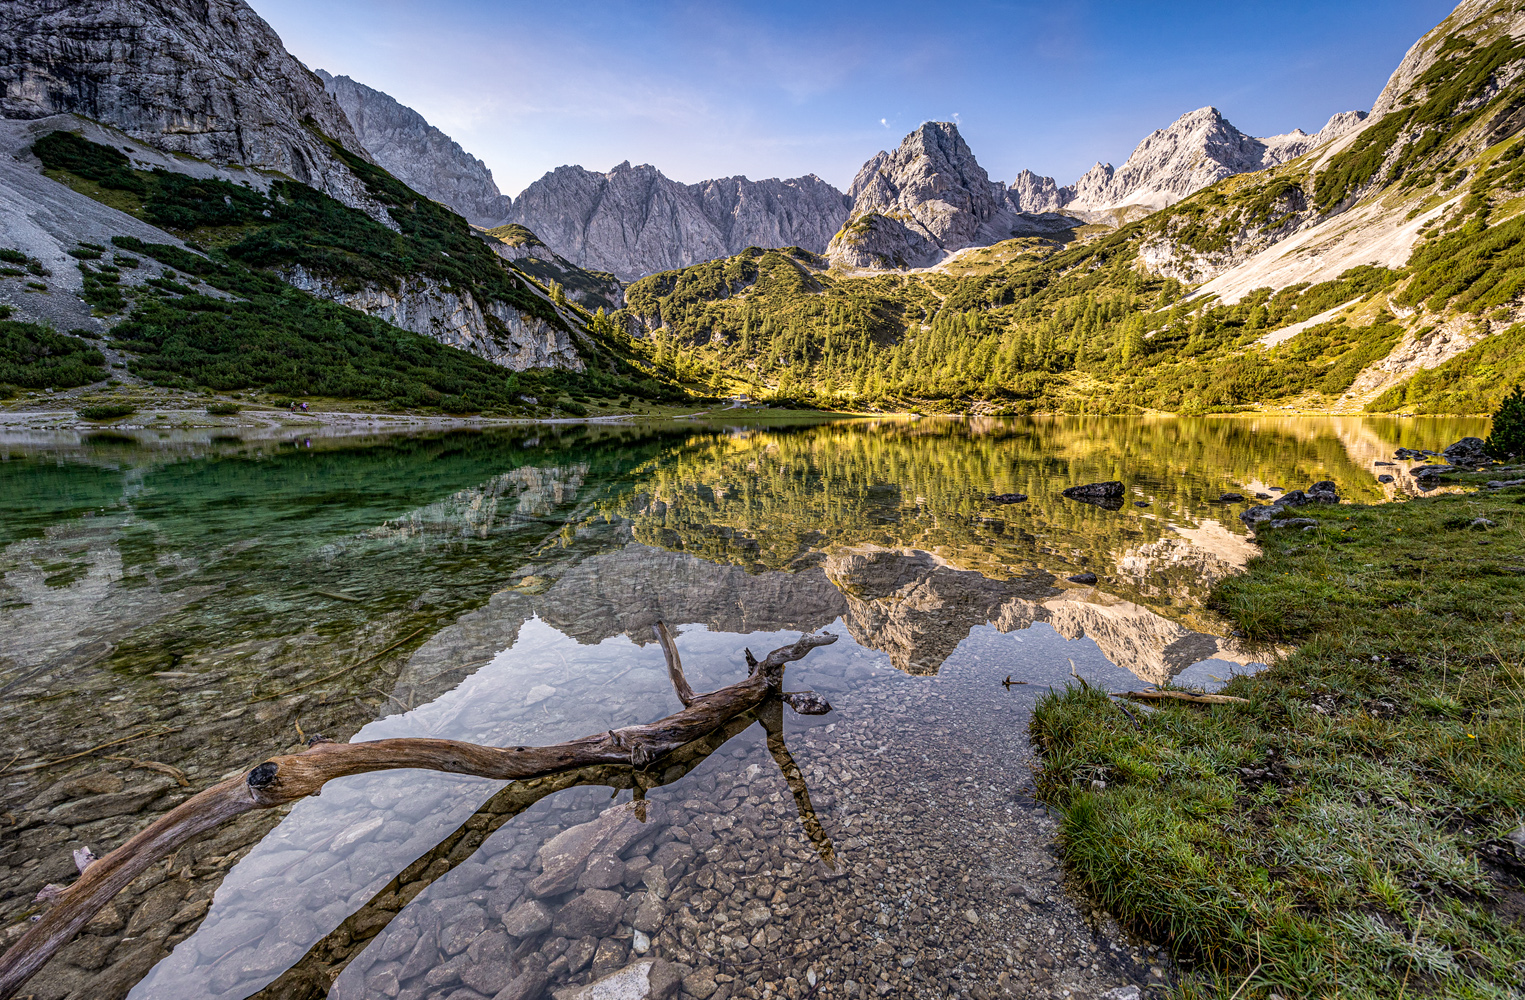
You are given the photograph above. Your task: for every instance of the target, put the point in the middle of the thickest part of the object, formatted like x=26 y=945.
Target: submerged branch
x=290 y=777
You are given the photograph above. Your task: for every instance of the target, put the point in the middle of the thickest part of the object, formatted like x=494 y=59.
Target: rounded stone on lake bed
x=1086 y=578
x=595 y=913
x=527 y=919
x=603 y=872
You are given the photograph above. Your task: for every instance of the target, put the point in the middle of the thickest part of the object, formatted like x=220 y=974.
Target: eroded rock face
x=633 y=221
x=928 y=198
x=206 y=78
x=417 y=153
x=933 y=182
x=500 y=333
x=1198 y=149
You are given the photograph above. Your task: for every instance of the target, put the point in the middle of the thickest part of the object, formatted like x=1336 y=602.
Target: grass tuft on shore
x=1343 y=833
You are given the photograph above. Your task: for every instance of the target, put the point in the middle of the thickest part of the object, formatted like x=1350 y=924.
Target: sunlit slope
x=1325 y=283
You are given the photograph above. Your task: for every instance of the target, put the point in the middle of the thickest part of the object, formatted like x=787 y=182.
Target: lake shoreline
x=1355 y=822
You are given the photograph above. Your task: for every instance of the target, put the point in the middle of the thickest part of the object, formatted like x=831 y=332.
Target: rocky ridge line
x=634 y=221
x=205 y=79
x=1193 y=152
x=417 y=153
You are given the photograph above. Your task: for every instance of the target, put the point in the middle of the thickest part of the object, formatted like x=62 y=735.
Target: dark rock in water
x=1100 y=491
x=1430 y=471
x=1108 y=495
x=1231 y=498
x=1293 y=498
x=530 y=985
x=1007 y=497
x=1083 y=578
x=1468 y=451
x=1142 y=503
x=1323 y=492
x=1384 y=479
x=1382 y=463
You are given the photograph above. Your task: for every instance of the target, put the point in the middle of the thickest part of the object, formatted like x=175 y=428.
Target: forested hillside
x=227 y=318
x=1110 y=321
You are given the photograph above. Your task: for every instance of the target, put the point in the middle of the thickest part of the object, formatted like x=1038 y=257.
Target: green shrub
x=222 y=409
x=35 y=357
x=456 y=404
x=1507 y=438
x=78 y=155
x=106 y=411
x=572 y=406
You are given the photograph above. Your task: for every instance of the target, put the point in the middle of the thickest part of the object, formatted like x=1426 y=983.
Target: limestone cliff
x=1196 y=150
x=204 y=78
x=929 y=197
x=418 y=154
x=634 y=221
x=500 y=333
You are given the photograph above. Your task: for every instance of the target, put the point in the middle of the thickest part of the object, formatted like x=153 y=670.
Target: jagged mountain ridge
x=1195 y=151
x=202 y=78
x=927 y=198
x=1334 y=280
x=417 y=153
x=930 y=197
x=209 y=91
x=634 y=221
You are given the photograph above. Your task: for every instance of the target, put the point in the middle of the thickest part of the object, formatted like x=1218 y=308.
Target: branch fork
x=289 y=777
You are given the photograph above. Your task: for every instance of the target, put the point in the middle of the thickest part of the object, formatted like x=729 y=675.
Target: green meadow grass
x=1338 y=836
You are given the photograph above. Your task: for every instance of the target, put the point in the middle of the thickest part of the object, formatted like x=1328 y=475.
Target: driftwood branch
x=674 y=665
x=290 y=777
x=1195 y=699
x=312 y=976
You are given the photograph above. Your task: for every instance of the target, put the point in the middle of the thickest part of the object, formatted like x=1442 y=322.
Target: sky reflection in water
x=524 y=576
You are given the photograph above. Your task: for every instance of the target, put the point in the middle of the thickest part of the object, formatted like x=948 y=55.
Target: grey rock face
x=634 y=221
x=932 y=182
x=926 y=199
x=1198 y=149
x=207 y=78
x=417 y=153
x=501 y=334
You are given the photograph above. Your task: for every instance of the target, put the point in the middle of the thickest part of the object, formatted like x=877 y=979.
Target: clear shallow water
x=208 y=600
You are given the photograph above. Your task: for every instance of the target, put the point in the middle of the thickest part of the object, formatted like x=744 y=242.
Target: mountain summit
x=633 y=221
x=417 y=153
x=1198 y=149
x=926 y=199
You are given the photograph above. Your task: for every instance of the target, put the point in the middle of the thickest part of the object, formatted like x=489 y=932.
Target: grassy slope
x=1086 y=328
x=277 y=339
x=1337 y=835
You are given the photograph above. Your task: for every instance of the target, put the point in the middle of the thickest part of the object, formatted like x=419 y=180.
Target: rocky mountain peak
x=203 y=78
x=933 y=178
x=1198 y=149
x=417 y=153
x=928 y=198
x=634 y=220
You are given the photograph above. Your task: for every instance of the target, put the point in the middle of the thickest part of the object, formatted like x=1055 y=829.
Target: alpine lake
x=178 y=607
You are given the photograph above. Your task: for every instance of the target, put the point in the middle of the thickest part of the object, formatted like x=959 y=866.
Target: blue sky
x=779 y=89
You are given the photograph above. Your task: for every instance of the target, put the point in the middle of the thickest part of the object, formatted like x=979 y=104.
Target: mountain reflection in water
x=489 y=587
